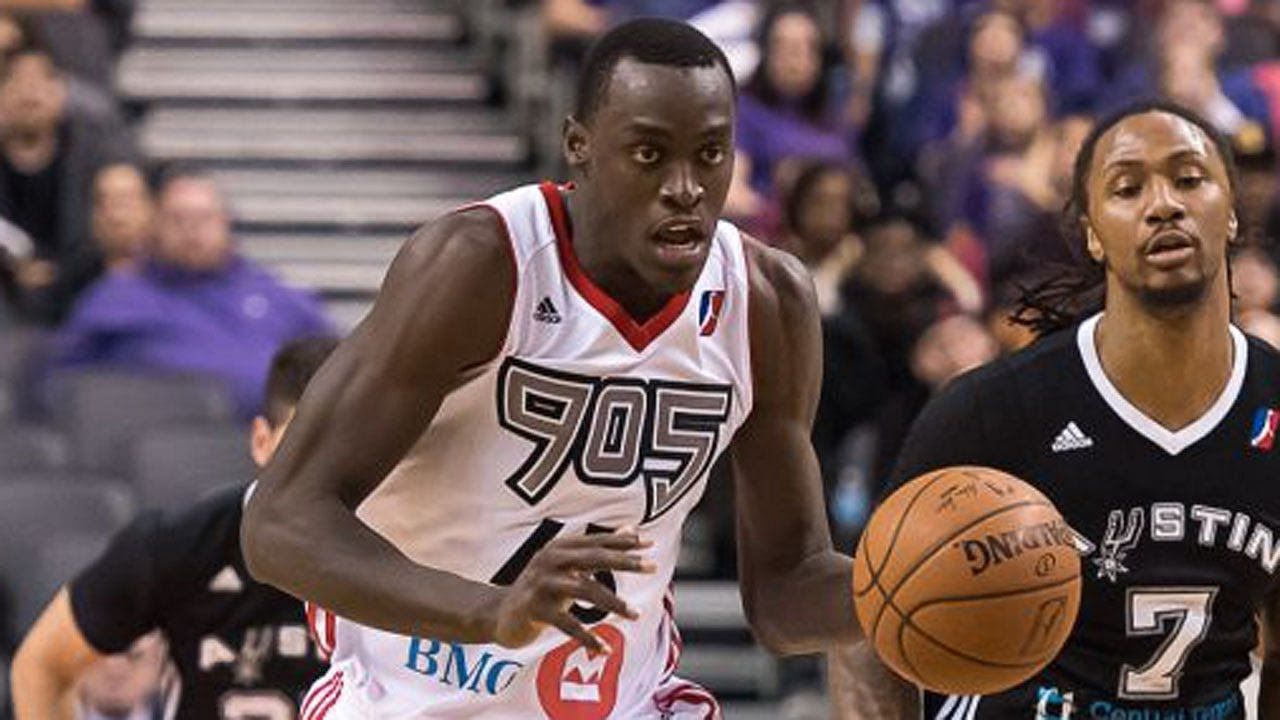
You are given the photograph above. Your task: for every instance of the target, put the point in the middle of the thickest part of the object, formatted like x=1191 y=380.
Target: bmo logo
x=577 y=684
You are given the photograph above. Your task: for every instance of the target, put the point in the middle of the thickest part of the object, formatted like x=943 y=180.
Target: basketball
x=966 y=581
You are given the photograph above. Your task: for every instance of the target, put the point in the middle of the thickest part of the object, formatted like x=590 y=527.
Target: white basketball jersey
x=586 y=421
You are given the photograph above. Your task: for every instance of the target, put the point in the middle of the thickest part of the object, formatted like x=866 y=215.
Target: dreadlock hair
x=1073 y=292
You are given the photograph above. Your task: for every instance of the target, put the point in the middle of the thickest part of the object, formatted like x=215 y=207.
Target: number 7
x=1147 y=611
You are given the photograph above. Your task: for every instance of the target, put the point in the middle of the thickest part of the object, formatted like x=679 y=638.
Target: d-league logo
x=709 y=309
x=1263 y=435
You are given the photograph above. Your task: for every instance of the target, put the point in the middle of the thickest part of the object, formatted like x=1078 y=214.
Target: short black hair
x=656 y=41
x=1075 y=292
x=292 y=368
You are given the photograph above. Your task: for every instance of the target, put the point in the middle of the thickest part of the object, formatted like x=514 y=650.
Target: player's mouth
x=1170 y=249
x=680 y=241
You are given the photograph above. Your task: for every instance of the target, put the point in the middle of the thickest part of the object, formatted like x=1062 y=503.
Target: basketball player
x=241 y=648
x=1152 y=426
x=486 y=484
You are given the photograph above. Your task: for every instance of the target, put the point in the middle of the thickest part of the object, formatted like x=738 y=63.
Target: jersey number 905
x=612 y=430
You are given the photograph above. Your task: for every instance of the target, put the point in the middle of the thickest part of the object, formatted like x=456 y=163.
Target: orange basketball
x=967 y=581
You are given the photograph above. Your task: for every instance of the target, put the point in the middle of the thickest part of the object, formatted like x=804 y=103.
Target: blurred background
x=185 y=185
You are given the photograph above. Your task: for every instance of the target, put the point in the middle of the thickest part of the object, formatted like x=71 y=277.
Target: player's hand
x=562 y=573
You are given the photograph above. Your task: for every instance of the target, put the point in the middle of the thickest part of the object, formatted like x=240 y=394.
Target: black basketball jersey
x=241 y=648
x=1180 y=531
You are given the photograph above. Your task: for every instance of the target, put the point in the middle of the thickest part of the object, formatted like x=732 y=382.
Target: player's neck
x=1171 y=366
x=589 y=237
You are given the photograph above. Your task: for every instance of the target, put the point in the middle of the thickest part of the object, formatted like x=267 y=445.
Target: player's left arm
x=1269 y=692
x=795 y=586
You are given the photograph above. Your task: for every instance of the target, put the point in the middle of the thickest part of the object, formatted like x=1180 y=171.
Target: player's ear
x=261 y=441
x=1091 y=242
x=576 y=143
x=1233 y=226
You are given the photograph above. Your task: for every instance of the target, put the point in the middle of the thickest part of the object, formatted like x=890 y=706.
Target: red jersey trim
x=638 y=335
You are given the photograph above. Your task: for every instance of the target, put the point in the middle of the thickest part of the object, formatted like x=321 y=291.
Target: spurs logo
x=1121 y=538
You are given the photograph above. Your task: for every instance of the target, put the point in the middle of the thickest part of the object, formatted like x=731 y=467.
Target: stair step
x=363 y=183
x=319 y=120
x=397 y=148
x=302 y=5
x=333 y=278
x=152 y=60
x=299 y=86
x=346 y=312
x=297 y=212
x=278 y=21
x=280 y=248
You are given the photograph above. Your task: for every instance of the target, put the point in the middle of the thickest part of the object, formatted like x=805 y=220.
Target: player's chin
x=1185 y=290
x=676 y=268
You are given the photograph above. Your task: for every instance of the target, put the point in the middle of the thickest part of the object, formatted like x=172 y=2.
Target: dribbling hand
x=562 y=573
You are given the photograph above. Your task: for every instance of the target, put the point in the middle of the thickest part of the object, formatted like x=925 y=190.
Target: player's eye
x=713 y=154
x=1189 y=182
x=1127 y=191
x=646 y=154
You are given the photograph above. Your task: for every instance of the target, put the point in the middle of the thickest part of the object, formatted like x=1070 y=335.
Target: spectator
x=1011 y=185
x=1255 y=283
x=120 y=224
x=818 y=228
x=786 y=113
x=1069 y=63
x=49 y=154
x=1256 y=202
x=1182 y=63
x=896 y=292
x=950 y=347
x=85 y=37
x=194 y=306
x=954 y=97
x=123 y=215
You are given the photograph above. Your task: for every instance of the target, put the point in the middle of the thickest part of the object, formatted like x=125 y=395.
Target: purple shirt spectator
x=194 y=306
x=622 y=10
x=226 y=324
x=772 y=134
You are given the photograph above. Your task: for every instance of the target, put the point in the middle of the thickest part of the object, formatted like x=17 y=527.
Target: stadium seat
x=19 y=347
x=175 y=466
x=25 y=448
x=56 y=561
x=105 y=412
x=35 y=510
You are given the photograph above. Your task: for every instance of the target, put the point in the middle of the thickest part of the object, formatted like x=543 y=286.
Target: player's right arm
x=49 y=664
x=949 y=431
x=443 y=312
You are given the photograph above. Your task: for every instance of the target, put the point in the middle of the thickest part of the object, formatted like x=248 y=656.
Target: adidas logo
x=1071 y=438
x=546 y=312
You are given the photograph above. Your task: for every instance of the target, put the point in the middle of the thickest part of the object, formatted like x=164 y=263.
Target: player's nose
x=681 y=187
x=1165 y=206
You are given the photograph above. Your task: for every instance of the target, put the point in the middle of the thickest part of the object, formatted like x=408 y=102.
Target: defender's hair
x=1076 y=291
x=291 y=369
